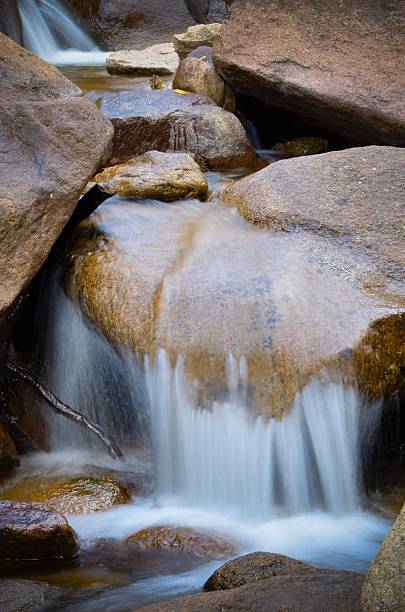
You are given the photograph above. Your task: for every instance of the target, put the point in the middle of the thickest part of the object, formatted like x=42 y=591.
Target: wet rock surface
x=83 y=495
x=384 y=588
x=253 y=568
x=196 y=36
x=312 y=592
x=25 y=595
x=8 y=453
x=161 y=60
x=335 y=65
x=164 y=120
x=160 y=176
x=182 y=540
x=34 y=532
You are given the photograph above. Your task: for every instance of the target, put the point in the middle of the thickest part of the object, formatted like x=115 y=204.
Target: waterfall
x=49 y=31
x=226 y=459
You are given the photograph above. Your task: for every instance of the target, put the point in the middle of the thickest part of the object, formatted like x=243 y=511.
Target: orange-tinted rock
x=8 y=453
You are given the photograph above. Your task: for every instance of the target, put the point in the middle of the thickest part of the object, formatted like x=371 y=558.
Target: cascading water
x=49 y=31
x=223 y=458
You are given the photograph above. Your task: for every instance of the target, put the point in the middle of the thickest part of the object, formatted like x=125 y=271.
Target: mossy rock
x=306 y=145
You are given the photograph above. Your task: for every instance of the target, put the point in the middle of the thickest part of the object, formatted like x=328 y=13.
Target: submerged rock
x=83 y=495
x=198 y=75
x=25 y=595
x=159 y=176
x=33 y=532
x=183 y=540
x=161 y=60
x=333 y=64
x=164 y=120
x=253 y=568
x=307 y=145
x=384 y=588
x=196 y=36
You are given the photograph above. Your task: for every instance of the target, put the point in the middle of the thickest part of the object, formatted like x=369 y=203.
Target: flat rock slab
x=164 y=120
x=25 y=595
x=32 y=531
x=202 y=35
x=155 y=175
x=161 y=60
x=337 y=65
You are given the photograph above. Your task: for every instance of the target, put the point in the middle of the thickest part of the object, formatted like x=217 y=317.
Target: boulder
x=310 y=592
x=125 y=24
x=164 y=120
x=209 y=11
x=182 y=540
x=26 y=77
x=32 y=531
x=198 y=75
x=161 y=60
x=253 y=568
x=52 y=143
x=352 y=197
x=335 y=65
x=155 y=175
x=8 y=453
x=384 y=588
x=203 y=35
x=83 y=495
x=26 y=595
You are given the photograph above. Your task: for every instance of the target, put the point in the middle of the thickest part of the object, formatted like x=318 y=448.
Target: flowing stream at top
x=49 y=31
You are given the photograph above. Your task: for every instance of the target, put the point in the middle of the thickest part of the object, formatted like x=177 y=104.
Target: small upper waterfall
x=49 y=31
x=223 y=458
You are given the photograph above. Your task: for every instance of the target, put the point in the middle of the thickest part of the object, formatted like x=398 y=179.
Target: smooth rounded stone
x=32 y=531
x=25 y=595
x=183 y=540
x=198 y=75
x=24 y=76
x=292 y=304
x=83 y=495
x=132 y=24
x=164 y=120
x=329 y=590
x=157 y=176
x=202 y=35
x=161 y=60
x=307 y=145
x=254 y=567
x=8 y=453
x=384 y=588
x=336 y=65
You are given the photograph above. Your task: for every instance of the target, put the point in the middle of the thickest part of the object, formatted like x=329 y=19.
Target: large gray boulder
x=337 y=65
x=384 y=588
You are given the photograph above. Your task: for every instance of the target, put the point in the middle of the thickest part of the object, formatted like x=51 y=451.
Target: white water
x=223 y=458
x=49 y=31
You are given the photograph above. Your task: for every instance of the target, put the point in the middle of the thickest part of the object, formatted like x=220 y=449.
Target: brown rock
x=253 y=568
x=83 y=495
x=29 y=531
x=155 y=175
x=183 y=540
x=199 y=76
x=306 y=145
x=196 y=36
x=25 y=595
x=313 y=592
x=125 y=24
x=8 y=453
x=163 y=120
x=24 y=76
x=337 y=65
x=160 y=60
x=384 y=588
